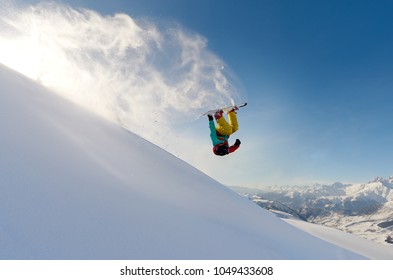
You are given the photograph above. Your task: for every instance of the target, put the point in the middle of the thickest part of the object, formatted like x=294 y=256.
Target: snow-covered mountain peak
x=374 y=190
x=386 y=182
x=339 y=185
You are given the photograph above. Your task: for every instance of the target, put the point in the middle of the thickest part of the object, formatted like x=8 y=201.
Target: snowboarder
x=219 y=134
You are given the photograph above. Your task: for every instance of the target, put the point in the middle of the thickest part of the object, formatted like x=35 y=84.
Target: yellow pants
x=225 y=128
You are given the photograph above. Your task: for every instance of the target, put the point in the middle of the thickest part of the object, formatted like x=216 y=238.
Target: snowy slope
x=352 y=242
x=75 y=186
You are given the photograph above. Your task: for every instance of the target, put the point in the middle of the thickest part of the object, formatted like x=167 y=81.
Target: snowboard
x=225 y=109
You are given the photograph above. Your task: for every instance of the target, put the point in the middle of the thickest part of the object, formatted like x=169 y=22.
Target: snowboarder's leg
x=233 y=121
x=223 y=127
x=213 y=134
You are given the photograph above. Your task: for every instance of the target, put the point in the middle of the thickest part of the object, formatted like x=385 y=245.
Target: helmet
x=221 y=150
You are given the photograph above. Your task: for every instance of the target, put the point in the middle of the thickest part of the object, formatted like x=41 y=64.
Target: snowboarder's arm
x=234 y=147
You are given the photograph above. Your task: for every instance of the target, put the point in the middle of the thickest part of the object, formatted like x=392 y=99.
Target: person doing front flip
x=220 y=134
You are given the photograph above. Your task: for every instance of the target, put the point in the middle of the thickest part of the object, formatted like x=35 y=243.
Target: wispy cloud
x=130 y=71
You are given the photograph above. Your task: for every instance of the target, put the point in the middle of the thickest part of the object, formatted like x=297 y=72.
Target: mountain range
x=365 y=209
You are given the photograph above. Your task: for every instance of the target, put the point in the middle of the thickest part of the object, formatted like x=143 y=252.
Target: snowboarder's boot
x=218 y=114
x=234 y=109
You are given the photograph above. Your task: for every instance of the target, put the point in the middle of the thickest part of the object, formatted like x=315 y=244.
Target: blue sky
x=317 y=76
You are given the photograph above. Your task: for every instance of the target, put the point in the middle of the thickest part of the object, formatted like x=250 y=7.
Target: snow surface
x=370 y=249
x=76 y=186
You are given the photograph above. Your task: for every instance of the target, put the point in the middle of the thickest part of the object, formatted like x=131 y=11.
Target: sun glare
x=21 y=56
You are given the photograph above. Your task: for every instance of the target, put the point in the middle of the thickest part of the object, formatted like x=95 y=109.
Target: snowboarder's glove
x=210 y=117
x=237 y=143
